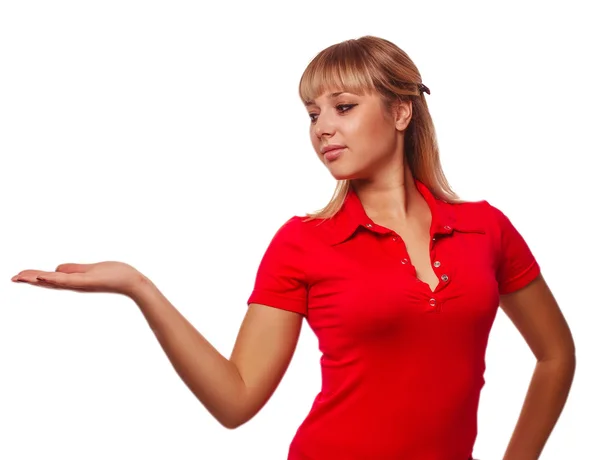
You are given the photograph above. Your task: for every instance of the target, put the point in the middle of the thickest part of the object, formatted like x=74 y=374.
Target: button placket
x=396 y=239
x=445 y=233
x=442 y=252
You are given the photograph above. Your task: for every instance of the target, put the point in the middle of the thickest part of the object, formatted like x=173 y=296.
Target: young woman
x=398 y=278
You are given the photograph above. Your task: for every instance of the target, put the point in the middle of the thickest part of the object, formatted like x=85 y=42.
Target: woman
x=399 y=279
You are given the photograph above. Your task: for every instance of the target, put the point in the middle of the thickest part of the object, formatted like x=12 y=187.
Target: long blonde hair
x=372 y=64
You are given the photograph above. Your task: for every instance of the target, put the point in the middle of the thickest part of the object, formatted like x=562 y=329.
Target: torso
x=403 y=354
x=387 y=342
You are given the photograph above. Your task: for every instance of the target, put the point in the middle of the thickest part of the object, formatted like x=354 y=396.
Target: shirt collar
x=446 y=218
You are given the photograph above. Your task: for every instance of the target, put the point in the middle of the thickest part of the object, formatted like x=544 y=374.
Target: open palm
x=110 y=276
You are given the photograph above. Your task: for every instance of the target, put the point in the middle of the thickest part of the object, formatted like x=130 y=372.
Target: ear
x=402 y=111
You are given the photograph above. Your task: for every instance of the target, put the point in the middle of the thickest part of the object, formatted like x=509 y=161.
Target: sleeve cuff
x=277 y=301
x=521 y=280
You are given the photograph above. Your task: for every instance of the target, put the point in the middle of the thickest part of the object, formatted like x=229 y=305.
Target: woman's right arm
x=232 y=390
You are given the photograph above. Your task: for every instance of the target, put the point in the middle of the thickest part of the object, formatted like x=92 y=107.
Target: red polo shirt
x=402 y=366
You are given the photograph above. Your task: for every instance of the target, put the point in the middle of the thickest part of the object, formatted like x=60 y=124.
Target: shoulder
x=486 y=217
x=479 y=215
x=496 y=217
x=298 y=229
x=295 y=225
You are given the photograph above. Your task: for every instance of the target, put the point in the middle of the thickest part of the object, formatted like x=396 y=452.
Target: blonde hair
x=371 y=64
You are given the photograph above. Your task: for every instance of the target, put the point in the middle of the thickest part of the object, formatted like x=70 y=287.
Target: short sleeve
x=517 y=266
x=280 y=280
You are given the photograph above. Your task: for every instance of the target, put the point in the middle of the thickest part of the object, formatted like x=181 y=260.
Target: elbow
x=233 y=422
x=228 y=421
x=568 y=363
x=564 y=362
x=242 y=415
x=572 y=360
x=562 y=353
x=236 y=416
x=229 y=424
x=232 y=409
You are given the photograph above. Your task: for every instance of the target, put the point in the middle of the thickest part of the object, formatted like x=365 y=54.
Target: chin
x=339 y=172
x=339 y=175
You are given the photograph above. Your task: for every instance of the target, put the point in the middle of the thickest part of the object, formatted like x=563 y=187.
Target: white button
x=432 y=302
x=447 y=227
x=368 y=225
x=404 y=261
x=433 y=238
x=395 y=238
x=444 y=277
x=437 y=263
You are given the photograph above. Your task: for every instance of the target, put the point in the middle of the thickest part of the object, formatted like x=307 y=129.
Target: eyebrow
x=330 y=96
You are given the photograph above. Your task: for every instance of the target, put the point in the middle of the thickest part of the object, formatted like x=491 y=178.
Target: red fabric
x=402 y=366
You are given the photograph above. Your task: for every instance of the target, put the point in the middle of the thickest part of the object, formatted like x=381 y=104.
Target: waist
x=391 y=430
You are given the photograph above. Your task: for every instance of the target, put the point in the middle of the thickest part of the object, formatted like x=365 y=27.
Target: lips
x=331 y=155
x=331 y=152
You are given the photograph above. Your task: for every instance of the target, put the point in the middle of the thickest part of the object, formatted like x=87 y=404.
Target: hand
x=113 y=277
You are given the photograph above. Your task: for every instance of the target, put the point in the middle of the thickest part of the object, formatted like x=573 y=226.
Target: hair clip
x=423 y=88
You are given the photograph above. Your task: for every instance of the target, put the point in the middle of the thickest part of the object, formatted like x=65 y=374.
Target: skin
x=235 y=389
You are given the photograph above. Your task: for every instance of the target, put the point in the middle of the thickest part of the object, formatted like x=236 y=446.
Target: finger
x=66 y=280
x=48 y=285
x=27 y=275
x=28 y=279
x=45 y=285
x=73 y=268
x=24 y=273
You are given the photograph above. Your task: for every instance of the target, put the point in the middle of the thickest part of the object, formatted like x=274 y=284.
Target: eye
x=344 y=107
x=341 y=108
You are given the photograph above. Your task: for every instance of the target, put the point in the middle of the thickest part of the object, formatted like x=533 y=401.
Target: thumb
x=73 y=268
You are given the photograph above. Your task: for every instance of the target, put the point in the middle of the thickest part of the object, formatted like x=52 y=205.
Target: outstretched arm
x=232 y=390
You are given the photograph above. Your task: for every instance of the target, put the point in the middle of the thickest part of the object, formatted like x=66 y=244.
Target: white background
x=170 y=135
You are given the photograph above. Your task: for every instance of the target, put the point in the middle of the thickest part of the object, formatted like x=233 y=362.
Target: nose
x=324 y=126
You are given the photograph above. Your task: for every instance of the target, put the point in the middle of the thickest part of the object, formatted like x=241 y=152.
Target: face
x=356 y=136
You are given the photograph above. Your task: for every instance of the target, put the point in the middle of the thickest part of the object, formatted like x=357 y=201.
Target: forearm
x=213 y=379
x=543 y=404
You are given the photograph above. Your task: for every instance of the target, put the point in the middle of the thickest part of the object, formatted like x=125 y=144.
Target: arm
x=536 y=315
x=232 y=390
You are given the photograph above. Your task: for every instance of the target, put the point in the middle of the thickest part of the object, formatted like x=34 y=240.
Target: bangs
x=341 y=67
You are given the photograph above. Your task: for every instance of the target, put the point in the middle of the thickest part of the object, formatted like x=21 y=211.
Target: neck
x=394 y=199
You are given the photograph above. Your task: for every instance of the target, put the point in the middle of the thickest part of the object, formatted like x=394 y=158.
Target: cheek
x=374 y=136
x=379 y=130
x=313 y=137
x=316 y=144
